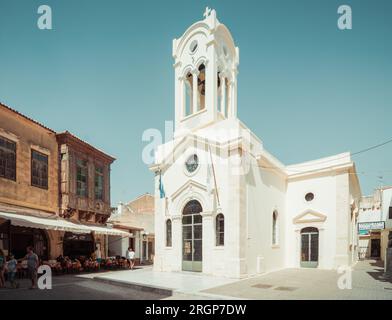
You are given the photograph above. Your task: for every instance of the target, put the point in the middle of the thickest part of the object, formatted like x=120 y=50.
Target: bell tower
x=205 y=63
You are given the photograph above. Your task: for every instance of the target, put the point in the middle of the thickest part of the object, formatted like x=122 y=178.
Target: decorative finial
x=207 y=12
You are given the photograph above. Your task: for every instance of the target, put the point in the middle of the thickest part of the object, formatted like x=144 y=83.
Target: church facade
x=223 y=204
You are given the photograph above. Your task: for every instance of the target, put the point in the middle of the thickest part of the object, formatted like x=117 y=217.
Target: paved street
x=367 y=283
x=70 y=287
x=176 y=282
x=313 y=284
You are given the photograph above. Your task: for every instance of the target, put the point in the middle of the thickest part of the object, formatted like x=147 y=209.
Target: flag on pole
x=214 y=187
x=161 y=188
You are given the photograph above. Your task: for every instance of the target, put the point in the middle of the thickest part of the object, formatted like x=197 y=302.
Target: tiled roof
x=25 y=117
x=78 y=140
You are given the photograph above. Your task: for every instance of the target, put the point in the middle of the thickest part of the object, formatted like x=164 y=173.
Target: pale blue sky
x=307 y=89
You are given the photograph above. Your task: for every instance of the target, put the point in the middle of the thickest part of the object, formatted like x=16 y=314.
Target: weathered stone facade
x=57 y=197
x=29 y=135
x=88 y=208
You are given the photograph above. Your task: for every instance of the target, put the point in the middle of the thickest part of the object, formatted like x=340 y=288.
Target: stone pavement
x=367 y=283
x=182 y=285
x=312 y=284
x=296 y=284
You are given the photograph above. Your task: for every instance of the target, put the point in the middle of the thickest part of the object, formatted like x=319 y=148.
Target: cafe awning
x=108 y=231
x=58 y=224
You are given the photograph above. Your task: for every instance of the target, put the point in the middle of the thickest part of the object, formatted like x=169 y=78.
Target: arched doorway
x=22 y=237
x=192 y=242
x=309 y=247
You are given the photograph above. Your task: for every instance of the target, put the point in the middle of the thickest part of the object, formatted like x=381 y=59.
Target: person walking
x=97 y=254
x=32 y=266
x=11 y=271
x=2 y=268
x=130 y=257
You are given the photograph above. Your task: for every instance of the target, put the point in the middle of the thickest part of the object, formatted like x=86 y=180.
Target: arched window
x=168 y=233
x=192 y=207
x=220 y=230
x=201 y=87
x=275 y=228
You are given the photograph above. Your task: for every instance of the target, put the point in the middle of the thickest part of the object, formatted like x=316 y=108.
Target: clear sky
x=104 y=72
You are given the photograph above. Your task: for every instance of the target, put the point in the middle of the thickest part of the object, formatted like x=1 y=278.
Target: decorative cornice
x=188 y=185
x=315 y=217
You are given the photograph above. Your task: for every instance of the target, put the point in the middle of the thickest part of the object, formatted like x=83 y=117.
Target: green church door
x=309 y=247
x=192 y=235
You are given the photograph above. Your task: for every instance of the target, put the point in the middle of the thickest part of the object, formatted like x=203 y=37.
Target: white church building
x=223 y=204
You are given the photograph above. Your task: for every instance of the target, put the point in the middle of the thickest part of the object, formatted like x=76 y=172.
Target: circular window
x=193 y=46
x=192 y=163
x=309 y=196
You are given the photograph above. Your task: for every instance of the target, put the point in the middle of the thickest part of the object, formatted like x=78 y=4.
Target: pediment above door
x=309 y=216
x=189 y=187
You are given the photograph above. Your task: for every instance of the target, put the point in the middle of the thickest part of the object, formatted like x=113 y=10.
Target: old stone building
x=54 y=190
x=84 y=183
x=28 y=179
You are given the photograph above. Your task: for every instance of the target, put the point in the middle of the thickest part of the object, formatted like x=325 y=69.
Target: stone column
x=342 y=220
x=223 y=97
x=233 y=99
x=180 y=112
x=297 y=253
x=178 y=96
x=321 y=249
x=208 y=241
x=236 y=244
x=211 y=97
x=195 y=93
x=174 y=257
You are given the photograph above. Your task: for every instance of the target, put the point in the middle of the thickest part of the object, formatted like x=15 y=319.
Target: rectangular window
x=7 y=159
x=169 y=233
x=39 y=170
x=390 y=212
x=98 y=183
x=81 y=178
x=220 y=230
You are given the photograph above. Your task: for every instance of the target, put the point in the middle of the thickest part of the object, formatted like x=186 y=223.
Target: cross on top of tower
x=207 y=12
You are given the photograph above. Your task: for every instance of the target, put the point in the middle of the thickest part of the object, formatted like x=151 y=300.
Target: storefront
x=77 y=245
x=19 y=238
x=22 y=237
x=369 y=237
x=52 y=236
